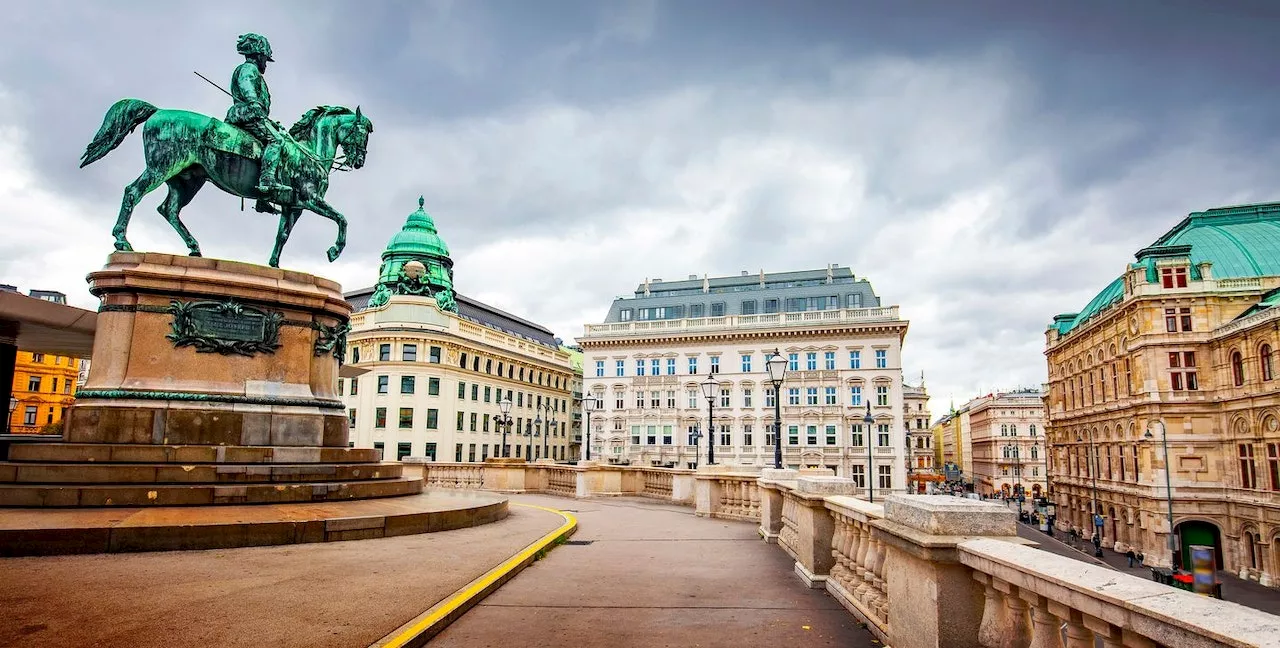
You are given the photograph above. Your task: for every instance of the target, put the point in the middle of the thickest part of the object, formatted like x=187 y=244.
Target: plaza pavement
x=655 y=575
x=349 y=593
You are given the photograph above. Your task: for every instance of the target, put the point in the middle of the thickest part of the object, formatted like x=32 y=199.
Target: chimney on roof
x=693 y=277
x=831 y=272
x=762 y=277
x=646 y=286
x=745 y=273
x=706 y=286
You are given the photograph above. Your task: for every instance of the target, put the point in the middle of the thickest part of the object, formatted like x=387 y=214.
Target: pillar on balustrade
x=933 y=600
x=811 y=547
x=602 y=480
x=505 y=474
x=682 y=488
x=771 y=483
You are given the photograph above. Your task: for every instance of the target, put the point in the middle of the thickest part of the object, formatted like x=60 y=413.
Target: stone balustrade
x=920 y=571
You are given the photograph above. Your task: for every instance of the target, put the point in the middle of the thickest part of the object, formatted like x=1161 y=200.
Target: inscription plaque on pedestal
x=226 y=328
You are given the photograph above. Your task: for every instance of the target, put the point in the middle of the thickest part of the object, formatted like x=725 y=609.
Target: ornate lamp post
x=777 y=367
x=1097 y=518
x=505 y=422
x=590 y=404
x=709 y=389
x=1168 y=488
x=869 y=420
x=546 y=434
x=695 y=436
x=528 y=451
x=13 y=405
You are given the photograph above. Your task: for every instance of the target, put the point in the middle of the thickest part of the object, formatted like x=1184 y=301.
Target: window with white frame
x=599 y=368
x=811 y=435
x=655 y=399
x=886 y=476
x=746 y=362
x=855 y=396
x=770 y=397
x=793 y=435
x=715 y=364
x=671 y=366
x=831 y=435
x=793 y=395
x=811 y=361
x=726 y=435
x=655 y=367
x=882 y=359
x=693 y=366
x=619 y=368
x=671 y=398
x=882 y=435
x=746 y=435
x=855 y=435
x=651 y=436
x=858 y=475
x=746 y=397
x=635 y=435
x=811 y=395
x=855 y=359
x=639 y=367
x=829 y=360
x=640 y=398
x=725 y=394
x=666 y=434
x=693 y=397
x=618 y=398
x=793 y=362
x=830 y=396
x=882 y=395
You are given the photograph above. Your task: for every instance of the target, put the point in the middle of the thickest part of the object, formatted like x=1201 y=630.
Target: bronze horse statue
x=184 y=149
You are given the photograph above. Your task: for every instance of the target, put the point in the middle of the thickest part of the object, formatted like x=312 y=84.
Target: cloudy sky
x=985 y=164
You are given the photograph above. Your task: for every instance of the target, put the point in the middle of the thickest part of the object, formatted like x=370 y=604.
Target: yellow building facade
x=44 y=387
x=1163 y=406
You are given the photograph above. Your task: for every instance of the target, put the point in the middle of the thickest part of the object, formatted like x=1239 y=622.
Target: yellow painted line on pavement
x=428 y=624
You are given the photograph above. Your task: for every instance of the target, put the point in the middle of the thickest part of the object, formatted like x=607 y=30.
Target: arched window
x=1264 y=359
x=1033 y=429
x=1004 y=430
x=1237 y=368
x=1035 y=452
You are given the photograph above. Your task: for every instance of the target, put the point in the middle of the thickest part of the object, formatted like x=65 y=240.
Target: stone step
x=120 y=473
x=55 y=495
x=186 y=454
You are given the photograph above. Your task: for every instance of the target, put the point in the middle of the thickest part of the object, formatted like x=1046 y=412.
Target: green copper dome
x=417 y=237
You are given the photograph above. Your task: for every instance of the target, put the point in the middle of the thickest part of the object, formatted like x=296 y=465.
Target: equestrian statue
x=246 y=155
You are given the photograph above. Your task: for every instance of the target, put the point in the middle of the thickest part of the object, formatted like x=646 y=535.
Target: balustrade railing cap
x=818 y=472
x=417 y=460
x=950 y=516
x=779 y=474
x=825 y=485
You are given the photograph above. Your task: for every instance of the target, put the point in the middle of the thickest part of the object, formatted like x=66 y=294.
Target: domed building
x=436 y=365
x=1164 y=401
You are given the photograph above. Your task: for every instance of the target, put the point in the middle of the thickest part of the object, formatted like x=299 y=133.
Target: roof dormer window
x=1173 y=277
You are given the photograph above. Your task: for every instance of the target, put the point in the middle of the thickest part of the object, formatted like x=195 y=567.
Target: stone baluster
x=754 y=489
x=1044 y=625
x=1078 y=636
x=841 y=533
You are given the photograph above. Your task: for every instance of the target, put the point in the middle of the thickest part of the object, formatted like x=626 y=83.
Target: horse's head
x=353 y=136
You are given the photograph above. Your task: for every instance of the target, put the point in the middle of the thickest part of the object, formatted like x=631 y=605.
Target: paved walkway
x=641 y=573
x=1234 y=588
x=337 y=594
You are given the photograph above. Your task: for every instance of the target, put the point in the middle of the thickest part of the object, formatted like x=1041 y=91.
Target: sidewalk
x=642 y=573
x=1234 y=589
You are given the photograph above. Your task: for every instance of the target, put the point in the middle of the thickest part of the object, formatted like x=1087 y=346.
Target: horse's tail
x=121 y=119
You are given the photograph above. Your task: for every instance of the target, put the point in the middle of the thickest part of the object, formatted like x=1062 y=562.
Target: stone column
x=934 y=602
x=771 y=501
x=816 y=526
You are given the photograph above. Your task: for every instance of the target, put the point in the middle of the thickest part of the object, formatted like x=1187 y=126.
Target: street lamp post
x=546 y=434
x=590 y=405
x=695 y=436
x=869 y=421
x=505 y=422
x=8 y=423
x=709 y=389
x=1097 y=518
x=537 y=424
x=777 y=367
x=1168 y=487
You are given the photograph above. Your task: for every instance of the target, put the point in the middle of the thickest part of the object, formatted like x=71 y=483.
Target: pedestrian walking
x=1141 y=557
x=1130 y=556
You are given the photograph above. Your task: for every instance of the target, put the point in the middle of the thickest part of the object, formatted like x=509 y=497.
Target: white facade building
x=647 y=361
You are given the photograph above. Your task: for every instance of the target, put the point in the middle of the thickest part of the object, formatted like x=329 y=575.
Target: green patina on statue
x=247 y=155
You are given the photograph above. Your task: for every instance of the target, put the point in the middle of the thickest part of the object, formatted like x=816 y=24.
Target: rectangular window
x=635 y=435
x=380 y=417
x=384 y=352
x=770 y=305
x=770 y=397
x=793 y=395
x=858 y=475
x=619 y=368
x=829 y=360
x=749 y=307
x=666 y=434
x=409 y=353
x=1173 y=277
x=462 y=417
x=882 y=395
x=882 y=359
x=29 y=415
x=599 y=368
x=639 y=367
x=351 y=417
x=811 y=361
x=882 y=435
x=471 y=452
x=1273 y=465
x=462 y=390
x=433 y=419
x=1248 y=478
x=654 y=368
x=640 y=398
x=855 y=359
x=355 y=382
x=474 y=419
x=724 y=396
x=624 y=315
x=342 y=385
x=886 y=476
x=793 y=435
x=746 y=363
x=746 y=435
x=487 y=394
x=697 y=310
x=475 y=392
x=715 y=364
x=855 y=396
x=717 y=309
x=33 y=383
x=693 y=366
x=406 y=417
x=855 y=435
x=671 y=399
x=671 y=366
x=793 y=362
x=355 y=355
x=811 y=396
x=655 y=400
x=746 y=397
x=383 y=382
x=433 y=386
x=831 y=435
x=434 y=358
x=830 y=396
x=1182 y=376
x=484 y=423
x=406 y=384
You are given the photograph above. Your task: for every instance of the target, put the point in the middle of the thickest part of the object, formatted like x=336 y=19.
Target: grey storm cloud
x=985 y=164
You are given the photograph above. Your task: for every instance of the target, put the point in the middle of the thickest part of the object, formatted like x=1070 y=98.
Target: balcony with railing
x=765 y=320
x=916 y=570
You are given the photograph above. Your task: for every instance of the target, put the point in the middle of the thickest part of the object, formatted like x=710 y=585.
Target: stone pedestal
x=201 y=351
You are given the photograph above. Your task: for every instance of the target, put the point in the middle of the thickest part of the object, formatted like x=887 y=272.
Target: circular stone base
x=45 y=532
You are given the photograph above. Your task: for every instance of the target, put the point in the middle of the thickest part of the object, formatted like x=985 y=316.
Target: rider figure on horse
x=251 y=112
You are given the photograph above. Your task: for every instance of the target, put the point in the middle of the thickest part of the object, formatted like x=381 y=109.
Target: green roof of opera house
x=418 y=237
x=1241 y=241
